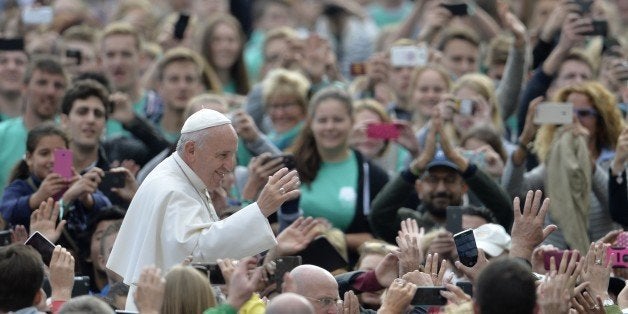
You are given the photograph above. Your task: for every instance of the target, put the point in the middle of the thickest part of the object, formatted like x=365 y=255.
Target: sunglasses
x=585 y=113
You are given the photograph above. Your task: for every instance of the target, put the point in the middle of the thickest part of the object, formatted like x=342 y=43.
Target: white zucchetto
x=203 y=119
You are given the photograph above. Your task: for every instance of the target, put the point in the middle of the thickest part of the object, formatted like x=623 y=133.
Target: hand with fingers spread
x=260 y=169
x=281 y=187
x=597 y=270
x=527 y=230
x=150 y=291
x=297 y=236
x=61 y=275
x=243 y=282
x=455 y=295
x=585 y=303
x=473 y=272
x=409 y=239
x=431 y=268
x=44 y=220
x=398 y=297
x=558 y=287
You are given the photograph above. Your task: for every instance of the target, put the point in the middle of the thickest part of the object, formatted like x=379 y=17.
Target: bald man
x=319 y=287
x=288 y=303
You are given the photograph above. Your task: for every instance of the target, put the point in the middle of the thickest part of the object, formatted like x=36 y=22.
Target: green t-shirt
x=13 y=135
x=333 y=194
x=384 y=16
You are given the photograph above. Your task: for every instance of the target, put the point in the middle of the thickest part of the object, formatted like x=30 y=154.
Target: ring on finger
x=282 y=190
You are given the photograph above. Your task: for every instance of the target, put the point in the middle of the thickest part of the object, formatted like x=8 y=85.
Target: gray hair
x=195 y=137
x=86 y=304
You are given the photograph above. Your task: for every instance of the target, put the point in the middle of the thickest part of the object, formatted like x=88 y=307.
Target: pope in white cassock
x=172 y=217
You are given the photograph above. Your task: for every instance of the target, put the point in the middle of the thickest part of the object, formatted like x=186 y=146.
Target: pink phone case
x=384 y=131
x=63 y=163
x=622 y=240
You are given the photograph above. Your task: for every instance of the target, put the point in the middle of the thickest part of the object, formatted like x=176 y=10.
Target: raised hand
x=398 y=297
x=527 y=229
x=473 y=272
x=242 y=282
x=297 y=236
x=44 y=220
x=61 y=275
x=282 y=186
x=150 y=291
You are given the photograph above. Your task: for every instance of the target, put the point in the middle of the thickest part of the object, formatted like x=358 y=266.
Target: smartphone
x=466 y=247
x=466 y=107
x=466 y=287
x=457 y=9
x=429 y=296
x=112 y=180
x=322 y=253
x=408 y=56
x=558 y=257
x=212 y=271
x=285 y=264
x=180 y=26
x=477 y=158
x=63 y=163
x=42 y=245
x=5 y=237
x=287 y=160
x=585 y=5
x=600 y=27
x=384 y=131
x=37 y=15
x=80 y=287
x=357 y=69
x=622 y=240
x=554 y=113
x=74 y=54
x=454 y=219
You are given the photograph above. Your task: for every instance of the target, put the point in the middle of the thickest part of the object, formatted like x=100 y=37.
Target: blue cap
x=440 y=160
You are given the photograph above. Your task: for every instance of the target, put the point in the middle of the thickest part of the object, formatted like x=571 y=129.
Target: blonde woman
x=187 y=291
x=597 y=125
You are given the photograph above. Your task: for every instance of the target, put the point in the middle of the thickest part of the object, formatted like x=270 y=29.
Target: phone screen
x=384 y=131
x=285 y=264
x=429 y=296
x=42 y=245
x=63 y=163
x=466 y=247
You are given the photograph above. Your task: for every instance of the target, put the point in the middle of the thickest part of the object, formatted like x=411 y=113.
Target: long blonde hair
x=187 y=291
x=609 y=120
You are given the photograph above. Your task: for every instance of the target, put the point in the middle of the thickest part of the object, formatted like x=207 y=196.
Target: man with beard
x=44 y=84
x=13 y=61
x=441 y=177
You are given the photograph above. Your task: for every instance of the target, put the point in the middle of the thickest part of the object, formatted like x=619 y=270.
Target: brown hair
x=207 y=76
x=238 y=70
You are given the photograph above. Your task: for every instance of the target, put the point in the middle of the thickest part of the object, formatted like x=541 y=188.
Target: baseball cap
x=492 y=239
x=440 y=160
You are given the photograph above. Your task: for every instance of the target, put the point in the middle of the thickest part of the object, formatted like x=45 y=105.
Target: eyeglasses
x=327 y=302
x=585 y=113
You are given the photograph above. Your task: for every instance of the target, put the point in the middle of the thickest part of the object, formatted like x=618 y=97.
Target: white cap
x=203 y=119
x=492 y=239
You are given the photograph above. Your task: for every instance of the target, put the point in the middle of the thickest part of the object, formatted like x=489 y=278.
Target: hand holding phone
x=554 y=113
x=42 y=245
x=112 y=180
x=429 y=296
x=384 y=131
x=466 y=247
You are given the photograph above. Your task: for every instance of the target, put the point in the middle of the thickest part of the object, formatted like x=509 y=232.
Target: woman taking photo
x=337 y=183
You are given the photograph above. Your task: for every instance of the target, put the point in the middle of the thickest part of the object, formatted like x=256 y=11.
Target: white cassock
x=171 y=217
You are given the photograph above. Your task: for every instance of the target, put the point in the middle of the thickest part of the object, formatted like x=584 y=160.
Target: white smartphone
x=37 y=15
x=408 y=56
x=554 y=113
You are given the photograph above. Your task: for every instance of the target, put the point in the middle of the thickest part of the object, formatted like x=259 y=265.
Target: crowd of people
x=251 y=156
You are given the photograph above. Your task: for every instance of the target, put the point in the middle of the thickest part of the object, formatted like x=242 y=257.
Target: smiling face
x=225 y=46
x=214 y=156
x=426 y=94
x=85 y=122
x=331 y=125
x=284 y=112
x=41 y=160
x=12 y=68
